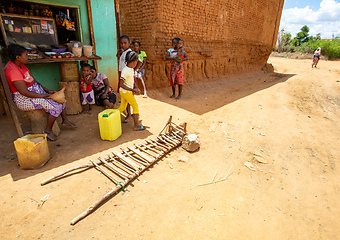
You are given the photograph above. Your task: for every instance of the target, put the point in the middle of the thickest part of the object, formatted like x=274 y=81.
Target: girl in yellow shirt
x=126 y=88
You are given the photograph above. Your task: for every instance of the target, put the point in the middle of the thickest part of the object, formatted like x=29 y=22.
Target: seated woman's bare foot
x=50 y=136
x=68 y=123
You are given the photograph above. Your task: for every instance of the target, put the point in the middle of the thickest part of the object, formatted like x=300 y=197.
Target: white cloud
x=325 y=20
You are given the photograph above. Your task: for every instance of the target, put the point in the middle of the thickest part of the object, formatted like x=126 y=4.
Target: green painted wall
x=104 y=24
x=104 y=27
x=48 y=73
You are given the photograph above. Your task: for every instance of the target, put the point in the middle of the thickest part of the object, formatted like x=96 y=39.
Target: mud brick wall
x=222 y=37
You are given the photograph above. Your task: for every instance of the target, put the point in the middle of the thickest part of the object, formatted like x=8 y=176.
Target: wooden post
x=93 y=43
x=10 y=100
x=72 y=93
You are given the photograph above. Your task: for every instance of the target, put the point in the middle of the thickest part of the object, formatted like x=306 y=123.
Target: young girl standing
x=127 y=89
x=177 y=70
x=141 y=71
x=87 y=94
x=124 y=42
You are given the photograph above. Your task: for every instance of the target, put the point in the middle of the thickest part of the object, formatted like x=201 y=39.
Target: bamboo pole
x=167 y=123
x=178 y=136
x=143 y=150
x=150 y=148
x=160 y=144
x=174 y=140
x=88 y=165
x=167 y=140
x=166 y=143
x=141 y=155
x=156 y=146
x=108 y=175
x=115 y=170
x=99 y=201
x=135 y=159
x=126 y=161
x=122 y=166
x=178 y=128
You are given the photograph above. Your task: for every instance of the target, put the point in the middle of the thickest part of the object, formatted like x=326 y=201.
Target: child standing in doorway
x=87 y=95
x=177 y=55
x=127 y=88
x=141 y=71
x=124 y=42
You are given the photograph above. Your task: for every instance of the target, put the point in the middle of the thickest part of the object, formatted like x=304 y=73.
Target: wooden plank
x=51 y=60
x=10 y=100
x=3 y=96
x=93 y=43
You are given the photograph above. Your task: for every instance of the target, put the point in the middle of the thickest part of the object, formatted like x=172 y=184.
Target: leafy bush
x=330 y=49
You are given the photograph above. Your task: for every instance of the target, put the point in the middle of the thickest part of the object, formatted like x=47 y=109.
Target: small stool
x=38 y=119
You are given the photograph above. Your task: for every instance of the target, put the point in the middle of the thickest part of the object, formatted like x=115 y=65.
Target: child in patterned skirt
x=87 y=94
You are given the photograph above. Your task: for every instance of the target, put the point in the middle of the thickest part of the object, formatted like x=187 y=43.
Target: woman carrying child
x=28 y=94
x=102 y=90
x=141 y=71
x=316 y=57
x=177 y=55
x=87 y=94
x=127 y=89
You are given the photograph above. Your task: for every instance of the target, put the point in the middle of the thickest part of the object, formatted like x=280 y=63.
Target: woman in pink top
x=27 y=93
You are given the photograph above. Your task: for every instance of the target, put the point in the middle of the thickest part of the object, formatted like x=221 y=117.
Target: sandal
x=68 y=123
x=140 y=128
x=127 y=120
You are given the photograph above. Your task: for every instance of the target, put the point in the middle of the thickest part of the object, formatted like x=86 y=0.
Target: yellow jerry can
x=109 y=124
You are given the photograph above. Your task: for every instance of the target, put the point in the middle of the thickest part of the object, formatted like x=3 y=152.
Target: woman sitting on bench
x=27 y=93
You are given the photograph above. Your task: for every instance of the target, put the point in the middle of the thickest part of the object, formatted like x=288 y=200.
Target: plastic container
x=32 y=151
x=77 y=51
x=87 y=50
x=109 y=124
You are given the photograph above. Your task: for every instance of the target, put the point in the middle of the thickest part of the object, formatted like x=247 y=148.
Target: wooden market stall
x=50 y=30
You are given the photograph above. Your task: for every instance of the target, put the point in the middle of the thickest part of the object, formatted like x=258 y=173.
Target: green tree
x=302 y=36
x=284 y=41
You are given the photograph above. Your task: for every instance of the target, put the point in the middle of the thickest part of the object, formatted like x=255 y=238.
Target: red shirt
x=14 y=73
x=83 y=86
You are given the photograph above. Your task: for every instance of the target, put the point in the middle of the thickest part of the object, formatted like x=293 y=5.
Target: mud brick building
x=222 y=37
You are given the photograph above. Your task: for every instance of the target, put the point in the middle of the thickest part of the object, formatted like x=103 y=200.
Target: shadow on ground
x=75 y=144
x=72 y=144
x=231 y=90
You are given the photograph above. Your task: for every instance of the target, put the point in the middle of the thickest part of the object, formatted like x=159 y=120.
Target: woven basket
x=59 y=96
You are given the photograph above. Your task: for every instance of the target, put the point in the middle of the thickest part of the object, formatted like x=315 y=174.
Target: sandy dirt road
x=291 y=117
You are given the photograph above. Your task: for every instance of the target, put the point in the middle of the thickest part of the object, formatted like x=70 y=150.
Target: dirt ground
x=291 y=117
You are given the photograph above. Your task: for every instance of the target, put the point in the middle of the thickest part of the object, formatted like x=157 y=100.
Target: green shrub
x=330 y=49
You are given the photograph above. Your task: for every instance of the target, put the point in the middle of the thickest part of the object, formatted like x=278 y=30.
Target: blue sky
x=321 y=16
